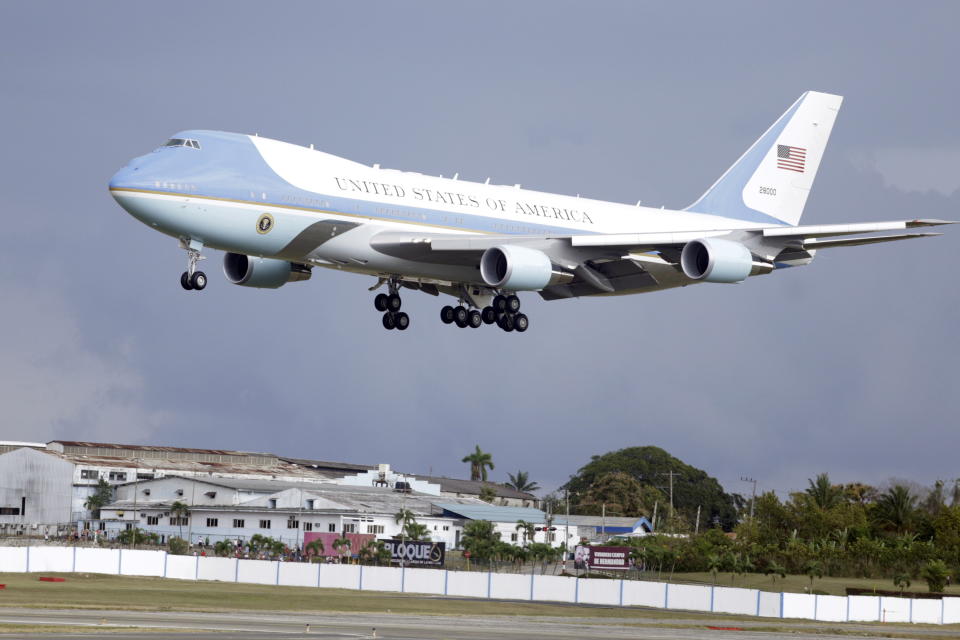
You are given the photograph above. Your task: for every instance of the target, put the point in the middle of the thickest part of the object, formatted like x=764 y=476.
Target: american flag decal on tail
x=791 y=158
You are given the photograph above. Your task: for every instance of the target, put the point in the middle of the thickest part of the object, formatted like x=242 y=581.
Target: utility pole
x=670 y=475
x=656 y=504
x=753 y=496
x=566 y=531
x=136 y=486
x=603 y=520
x=697 y=529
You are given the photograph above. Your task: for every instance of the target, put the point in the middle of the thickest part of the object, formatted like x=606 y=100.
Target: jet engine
x=265 y=273
x=517 y=268
x=713 y=260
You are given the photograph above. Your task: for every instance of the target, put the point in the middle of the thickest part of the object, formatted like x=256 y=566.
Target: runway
x=278 y=626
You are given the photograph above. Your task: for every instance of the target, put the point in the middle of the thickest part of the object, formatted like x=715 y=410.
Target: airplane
x=278 y=210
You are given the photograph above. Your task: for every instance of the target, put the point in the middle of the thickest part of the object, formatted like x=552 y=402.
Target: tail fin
x=771 y=181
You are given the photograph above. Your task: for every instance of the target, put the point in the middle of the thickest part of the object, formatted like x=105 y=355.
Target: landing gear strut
x=389 y=304
x=191 y=279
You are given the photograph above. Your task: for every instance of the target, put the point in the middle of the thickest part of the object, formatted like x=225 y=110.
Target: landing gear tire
x=488 y=315
x=389 y=321
x=394 y=302
x=521 y=322
x=446 y=314
x=512 y=304
x=185 y=281
x=401 y=320
x=474 y=319
x=508 y=323
x=461 y=316
x=380 y=302
x=499 y=303
x=198 y=280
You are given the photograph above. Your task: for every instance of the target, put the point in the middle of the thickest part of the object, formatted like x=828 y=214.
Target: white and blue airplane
x=279 y=210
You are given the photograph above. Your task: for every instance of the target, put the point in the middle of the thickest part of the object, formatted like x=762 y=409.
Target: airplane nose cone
x=125 y=178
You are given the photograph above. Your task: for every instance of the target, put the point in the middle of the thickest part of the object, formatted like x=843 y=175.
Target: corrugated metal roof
x=493 y=513
x=474 y=487
x=147 y=447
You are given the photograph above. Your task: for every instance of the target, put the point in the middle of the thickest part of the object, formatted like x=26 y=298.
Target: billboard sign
x=416 y=552
x=616 y=558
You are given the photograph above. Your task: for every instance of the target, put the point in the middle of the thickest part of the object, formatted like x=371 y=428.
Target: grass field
x=125 y=592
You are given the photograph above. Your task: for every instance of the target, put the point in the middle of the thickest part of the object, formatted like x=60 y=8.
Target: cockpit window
x=181 y=142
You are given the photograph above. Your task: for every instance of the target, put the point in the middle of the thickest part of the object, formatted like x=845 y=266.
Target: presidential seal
x=264 y=223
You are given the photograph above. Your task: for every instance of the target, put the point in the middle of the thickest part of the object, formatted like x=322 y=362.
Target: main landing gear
x=389 y=304
x=191 y=279
x=504 y=312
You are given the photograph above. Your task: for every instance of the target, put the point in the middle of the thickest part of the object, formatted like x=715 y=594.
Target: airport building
x=44 y=489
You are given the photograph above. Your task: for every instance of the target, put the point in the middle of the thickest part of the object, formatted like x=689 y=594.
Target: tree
x=714 y=565
x=894 y=509
x=479 y=461
x=341 y=543
x=527 y=529
x=223 y=548
x=374 y=552
x=417 y=531
x=180 y=510
x=480 y=539
x=488 y=493
x=522 y=482
x=403 y=518
x=315 y=548
x=178 y=546
x=100 y=497
x=265 y=545
x=649 y=466
x=823 y=494
x=137 y=536
x=622 y=495
x=775 y=569
x=813 y=569
x=935 y=573
x=901 y=581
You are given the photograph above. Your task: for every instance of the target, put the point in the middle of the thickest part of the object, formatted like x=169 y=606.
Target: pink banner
x=357 y=540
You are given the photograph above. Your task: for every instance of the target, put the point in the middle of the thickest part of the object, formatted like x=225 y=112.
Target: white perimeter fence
x=508 y=586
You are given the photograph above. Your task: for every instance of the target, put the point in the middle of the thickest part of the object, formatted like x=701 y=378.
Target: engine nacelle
x=713 y=260
x=519 y=269
x=265 y=273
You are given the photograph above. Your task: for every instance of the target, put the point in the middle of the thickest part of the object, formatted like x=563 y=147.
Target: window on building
x=144 y=476
x=128 y=526
x=212 y=522
x=446 y=527
x=9 y=511
x=238 y=523
x=293 y=524
x=89 y=474
x=102 y=526
x=310 y=504
x=350 y=528
x=153 y=520
x=118 y=475
x=332 y=527
x=180 y=521
x=375 y=528
x=272 y=503
x=551 y=536
x=513 y=537
x=264 y=524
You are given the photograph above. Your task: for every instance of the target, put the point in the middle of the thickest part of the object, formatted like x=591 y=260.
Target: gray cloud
x=845 y=366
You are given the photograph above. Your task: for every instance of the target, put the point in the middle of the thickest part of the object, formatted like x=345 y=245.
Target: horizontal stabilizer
x=815 y=243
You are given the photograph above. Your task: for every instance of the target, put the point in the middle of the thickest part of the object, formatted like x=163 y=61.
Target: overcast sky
x=847 y=366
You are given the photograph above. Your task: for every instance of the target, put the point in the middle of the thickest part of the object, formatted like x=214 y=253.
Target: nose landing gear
x=191 y=279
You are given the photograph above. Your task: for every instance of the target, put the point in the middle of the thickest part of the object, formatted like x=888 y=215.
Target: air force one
x=278 y=210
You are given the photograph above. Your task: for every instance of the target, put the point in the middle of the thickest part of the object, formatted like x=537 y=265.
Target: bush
x=177 y=546
x=935 y=573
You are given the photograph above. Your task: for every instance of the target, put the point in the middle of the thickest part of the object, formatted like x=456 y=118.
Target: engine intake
x=264 y=273
x=713 y=260
x=519 y=269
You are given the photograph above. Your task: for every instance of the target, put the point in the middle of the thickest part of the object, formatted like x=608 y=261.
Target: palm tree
x=417 y=531
x=479 y=461
x=813 y=569
x=180 y=510
x=824 y=495
x=901 y=580
x=775 y=569
x=527 y=528
x=522 y=482
x=404 y=517
x=895 y=508
x=101 y=496
x=714 y=564
x=341 y=543
x=315 y=548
